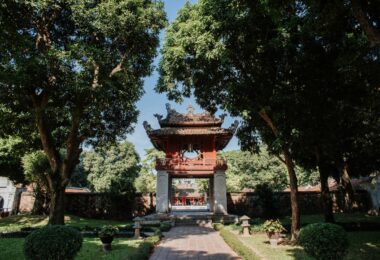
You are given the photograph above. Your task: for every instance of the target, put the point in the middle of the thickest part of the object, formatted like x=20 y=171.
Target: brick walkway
x=192 y=242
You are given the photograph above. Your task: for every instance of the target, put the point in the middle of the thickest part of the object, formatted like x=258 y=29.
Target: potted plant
x=273 y=228
x=106 y=235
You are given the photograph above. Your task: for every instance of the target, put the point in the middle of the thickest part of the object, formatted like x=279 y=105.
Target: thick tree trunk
x=326 y=196
x=57 y=206
x=295 y=227
x=293 y=195
x=349 y=193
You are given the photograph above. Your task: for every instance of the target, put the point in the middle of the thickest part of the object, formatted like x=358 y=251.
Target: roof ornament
x=158 y=116
x=234 y=126
x=147 y=127
x=190 y=109
x=222 y=116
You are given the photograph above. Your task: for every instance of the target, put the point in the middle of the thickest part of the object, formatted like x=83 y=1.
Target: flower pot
x=106 y=242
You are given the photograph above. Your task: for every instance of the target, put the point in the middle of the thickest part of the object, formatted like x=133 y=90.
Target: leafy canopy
x=112 y=168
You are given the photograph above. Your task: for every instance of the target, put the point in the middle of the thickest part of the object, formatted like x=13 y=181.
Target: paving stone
x=193 y=242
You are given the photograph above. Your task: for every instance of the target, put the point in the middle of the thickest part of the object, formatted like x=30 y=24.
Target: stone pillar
x=170 y=192
x=162 y=192
x=211 y=193
x=220 y=193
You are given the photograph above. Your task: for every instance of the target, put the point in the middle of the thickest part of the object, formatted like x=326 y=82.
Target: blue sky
x=153 y=102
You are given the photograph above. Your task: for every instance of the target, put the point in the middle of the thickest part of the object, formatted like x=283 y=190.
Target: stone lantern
x=137 y=227
x=246 y=226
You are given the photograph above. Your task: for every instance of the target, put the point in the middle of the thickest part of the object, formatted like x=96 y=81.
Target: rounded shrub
x=324 y=241
x=53 y=243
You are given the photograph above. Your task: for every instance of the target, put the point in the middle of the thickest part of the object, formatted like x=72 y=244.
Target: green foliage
x=108 y=231
x=112 y=168
x=146 y=181
x=324 y=241
x=36 y=168
x=11 y=150
x=145 y=248
x=246 y=170
x=273 y=226
x=165 y=227
x=72 y=71
x=243 y=251
x=266 y=200
x=53 y=242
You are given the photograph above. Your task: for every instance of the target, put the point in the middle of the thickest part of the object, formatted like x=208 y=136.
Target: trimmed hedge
x=146 y=247
x=53 y=243
x=324 y=241
x=235 y=243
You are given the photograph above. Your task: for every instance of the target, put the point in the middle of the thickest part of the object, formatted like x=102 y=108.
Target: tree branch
x=95 y=80
x=371 y=32
x=119 y=66
x=45 y=135
x=280 y=158
x=263 y=114
x=72 y=146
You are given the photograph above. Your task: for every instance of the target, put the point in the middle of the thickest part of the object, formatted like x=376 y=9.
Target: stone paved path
x=193 y=242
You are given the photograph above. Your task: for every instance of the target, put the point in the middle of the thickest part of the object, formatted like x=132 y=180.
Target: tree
x=288 y=70
x=234 y=55
x=367 y=13
x=36 y=169
x=73 y=70
x=112 y=169
x=11 y=151
x=247 y=170
x=146 y=181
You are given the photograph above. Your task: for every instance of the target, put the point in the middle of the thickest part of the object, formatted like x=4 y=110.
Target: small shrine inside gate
x=190 y=142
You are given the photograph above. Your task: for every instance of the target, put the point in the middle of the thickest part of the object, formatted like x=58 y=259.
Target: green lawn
x=11 y=248
x=363 y=245
x=15 y=223
x=339 y=217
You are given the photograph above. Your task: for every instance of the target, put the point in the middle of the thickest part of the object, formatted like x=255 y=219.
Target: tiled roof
x=174 y=118
x=190 y=131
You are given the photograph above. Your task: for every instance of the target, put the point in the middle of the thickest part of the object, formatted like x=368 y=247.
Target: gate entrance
x=189 y=195
x=190 y=142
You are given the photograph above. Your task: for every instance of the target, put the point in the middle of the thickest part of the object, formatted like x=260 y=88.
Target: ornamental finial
x=190 y=109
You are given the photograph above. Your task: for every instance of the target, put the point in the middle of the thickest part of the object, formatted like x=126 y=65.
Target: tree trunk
x=349 y=197
x=57 y=205
x=292 y=178
x=293 y=195
x=326 y=197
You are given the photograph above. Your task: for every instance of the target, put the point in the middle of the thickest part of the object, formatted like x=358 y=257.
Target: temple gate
x=199 y=135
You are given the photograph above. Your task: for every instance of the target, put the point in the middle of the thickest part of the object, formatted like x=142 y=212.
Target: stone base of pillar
x=220 y=193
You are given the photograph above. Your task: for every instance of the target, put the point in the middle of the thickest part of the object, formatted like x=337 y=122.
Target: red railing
x=190 y=164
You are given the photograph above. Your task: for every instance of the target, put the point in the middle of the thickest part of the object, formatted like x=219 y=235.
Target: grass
x=363 y=245
x=260 y=242
x=339 y=217
x=257 y=224
x=11 y=248
x=233 y=241
x=15 y=223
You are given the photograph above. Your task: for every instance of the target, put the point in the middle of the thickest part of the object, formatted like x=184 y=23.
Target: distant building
x=8 y=195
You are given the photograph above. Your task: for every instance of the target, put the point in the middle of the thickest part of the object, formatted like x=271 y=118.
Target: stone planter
x=106 y=241
x=274 y=235
x=273 y=242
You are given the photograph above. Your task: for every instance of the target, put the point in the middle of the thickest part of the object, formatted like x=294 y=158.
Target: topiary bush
x=53 y=243
x=324 y=241
x=165 y=227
